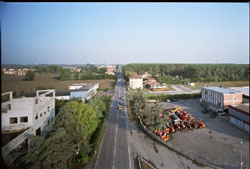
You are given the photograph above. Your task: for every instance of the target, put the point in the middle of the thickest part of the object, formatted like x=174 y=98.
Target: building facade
x=136 y=82
x=111 y=70
x=239 y=116
x=29 y=116
x=219 y=98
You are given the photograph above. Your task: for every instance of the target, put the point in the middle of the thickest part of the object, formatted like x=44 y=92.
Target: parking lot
x=219 y=143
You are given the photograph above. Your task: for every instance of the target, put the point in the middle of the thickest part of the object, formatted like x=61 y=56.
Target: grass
x=199 y=85
x=145 y=165
x=15 y=83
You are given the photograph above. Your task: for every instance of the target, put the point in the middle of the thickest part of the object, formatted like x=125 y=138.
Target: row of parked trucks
x=178 y=120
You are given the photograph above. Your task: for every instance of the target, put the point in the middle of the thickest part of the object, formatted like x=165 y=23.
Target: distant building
x=18 y=72
x=239 y=116
x=191 y=83
x=26 y=116
x=111 y=70
x=149 y=82
x=158 y=86
x=219 y=98
x=136 y=82
x=78 y=70
x=146 y=75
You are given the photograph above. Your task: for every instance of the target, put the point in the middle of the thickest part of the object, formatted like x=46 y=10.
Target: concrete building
x=219 y=98
x=136 y=82
x=26 y=116
x=239 y=116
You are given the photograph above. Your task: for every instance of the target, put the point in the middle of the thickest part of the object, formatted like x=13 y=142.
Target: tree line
x=89 y=72
x=175 y=73
x=71 y=138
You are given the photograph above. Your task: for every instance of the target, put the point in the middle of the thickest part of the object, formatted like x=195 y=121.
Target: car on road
x=168 y=101
x=213 y=115
x=119 y=107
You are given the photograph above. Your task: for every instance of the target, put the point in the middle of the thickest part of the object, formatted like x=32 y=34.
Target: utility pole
x=241 y=162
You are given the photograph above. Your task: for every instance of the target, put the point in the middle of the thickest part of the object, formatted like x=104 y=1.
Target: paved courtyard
x=218 y=143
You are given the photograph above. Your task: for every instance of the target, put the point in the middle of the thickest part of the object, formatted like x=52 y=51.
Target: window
x=45 y=112
x=205 y=91
x=41 y=114
x=13 y=120
x=24 y=119
x=36 y=116
x=48 y=109
x=36 y=101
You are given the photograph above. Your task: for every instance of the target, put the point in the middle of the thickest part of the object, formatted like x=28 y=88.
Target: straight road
x=115 y=150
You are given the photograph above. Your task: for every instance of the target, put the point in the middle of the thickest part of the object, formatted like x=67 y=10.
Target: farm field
x=15 y=83
x=199 y=85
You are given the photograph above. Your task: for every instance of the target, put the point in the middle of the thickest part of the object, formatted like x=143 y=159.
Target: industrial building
x=219 y=98
x=239 y=116
x=23 y=117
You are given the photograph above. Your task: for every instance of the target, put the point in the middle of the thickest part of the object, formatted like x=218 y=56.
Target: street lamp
x=241 y=162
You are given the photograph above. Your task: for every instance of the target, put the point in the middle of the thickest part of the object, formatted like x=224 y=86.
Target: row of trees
x=194 y=72
x=88 y=73
x=51 y=69
x=69 y=142
x=149 y=114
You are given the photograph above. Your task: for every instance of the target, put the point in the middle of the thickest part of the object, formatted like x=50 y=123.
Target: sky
x=121 y=33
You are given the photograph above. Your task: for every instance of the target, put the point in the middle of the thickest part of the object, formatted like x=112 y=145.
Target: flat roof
x=243 y=107
x=244 y=90
x=223 y=90
x=136 y=77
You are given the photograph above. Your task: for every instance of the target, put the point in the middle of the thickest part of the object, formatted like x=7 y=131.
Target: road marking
x=99 y=152
x=116 y=131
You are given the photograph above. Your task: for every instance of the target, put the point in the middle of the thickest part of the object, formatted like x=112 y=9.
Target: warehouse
x=239 y=116
x=219 y=98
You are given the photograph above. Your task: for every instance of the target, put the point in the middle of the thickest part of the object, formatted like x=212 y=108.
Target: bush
x=30 y=75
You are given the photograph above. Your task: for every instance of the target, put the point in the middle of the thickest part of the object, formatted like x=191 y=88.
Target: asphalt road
x=115 y=150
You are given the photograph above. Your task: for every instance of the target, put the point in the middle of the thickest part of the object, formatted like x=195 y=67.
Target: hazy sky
x=98 y=33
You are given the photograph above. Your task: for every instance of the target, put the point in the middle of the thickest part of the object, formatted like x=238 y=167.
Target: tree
x=30 y=75
x=65 y=142
x=87 y=116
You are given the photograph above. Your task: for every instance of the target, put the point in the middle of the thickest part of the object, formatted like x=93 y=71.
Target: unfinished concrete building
x=23 y=117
